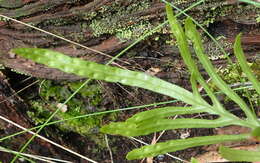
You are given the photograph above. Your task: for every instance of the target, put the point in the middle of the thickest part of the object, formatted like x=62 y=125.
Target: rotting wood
x=85 y=22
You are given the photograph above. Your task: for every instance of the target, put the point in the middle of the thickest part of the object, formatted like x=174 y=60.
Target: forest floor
x=29 y=101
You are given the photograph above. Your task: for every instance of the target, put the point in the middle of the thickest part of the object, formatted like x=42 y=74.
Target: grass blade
x=176 y=145
x=239 y=155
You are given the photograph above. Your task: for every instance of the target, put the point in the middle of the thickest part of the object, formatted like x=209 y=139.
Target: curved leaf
x=243 y=64
x=239 y=155
x=255 y=3
x=176 y=145
x=154 y=125
x=194 y=35
x=186 y=55
x=108 y=73
x=148 y=127
x=164 y=112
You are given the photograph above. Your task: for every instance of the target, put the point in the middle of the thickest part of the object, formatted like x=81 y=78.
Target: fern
x=158 y=119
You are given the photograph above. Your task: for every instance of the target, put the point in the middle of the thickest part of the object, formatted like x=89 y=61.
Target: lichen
x=215 y=52
x=112 y=20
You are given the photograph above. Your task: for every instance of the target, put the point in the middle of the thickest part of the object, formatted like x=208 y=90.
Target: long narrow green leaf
x=243 y=64
x=194 y=35
x=257 y=4
x=186 y=55
x=103 y=72
x=239 y=155
x=181 y=40
x=165 y=112
x=155 y=125
x=176 y=145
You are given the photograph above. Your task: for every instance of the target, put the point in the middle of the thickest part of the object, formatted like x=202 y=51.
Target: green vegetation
x=88 y=101
x=158 y=119
x=114 y=23
x=234 y=76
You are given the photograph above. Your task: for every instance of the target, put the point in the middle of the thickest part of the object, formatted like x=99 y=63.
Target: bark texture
x=109 y=26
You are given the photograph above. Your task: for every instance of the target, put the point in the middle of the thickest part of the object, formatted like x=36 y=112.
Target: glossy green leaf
x=108 y=73
x=165 y=112
x=239 y=155
x=194 y=35
x=176 y=145
x=238 y=51
x=154 y=125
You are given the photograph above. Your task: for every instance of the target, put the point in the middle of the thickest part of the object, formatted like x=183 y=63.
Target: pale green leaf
x=186 y=55
x=180 y=144
x=181 y=40
x=243 y=64
x=108 y=73
x=239 y=155
x=255 y=3
x=256 y=133
x=194 y=35
x=154 y=125
x=159 y=113
x=193 y=160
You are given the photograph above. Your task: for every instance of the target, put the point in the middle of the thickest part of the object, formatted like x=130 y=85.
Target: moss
x=87 y=101
x=11 y=3
x=233 y=74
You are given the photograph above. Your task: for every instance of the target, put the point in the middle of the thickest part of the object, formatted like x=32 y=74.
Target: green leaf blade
x=194 y=35
x=176 y=145
x=103 y=72
x=238 y=51
x=154 y=125
x=164 y=112
x=239 y=155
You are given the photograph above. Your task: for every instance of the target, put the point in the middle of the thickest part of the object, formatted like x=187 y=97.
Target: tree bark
x=109 y=26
